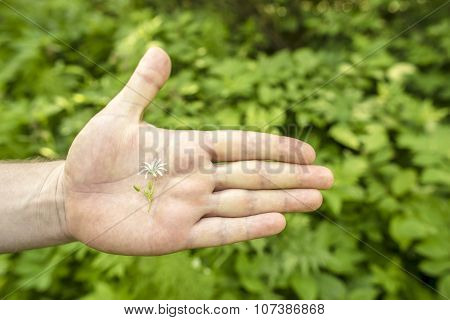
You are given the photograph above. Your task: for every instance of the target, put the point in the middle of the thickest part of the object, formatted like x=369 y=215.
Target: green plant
x=381 y=125
x=154 y=169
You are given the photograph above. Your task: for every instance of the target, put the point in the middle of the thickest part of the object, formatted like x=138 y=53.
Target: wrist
x=32 y=211
x=53 y=204
x=48 y=207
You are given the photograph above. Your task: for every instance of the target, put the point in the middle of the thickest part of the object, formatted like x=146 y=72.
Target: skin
x=219 y=188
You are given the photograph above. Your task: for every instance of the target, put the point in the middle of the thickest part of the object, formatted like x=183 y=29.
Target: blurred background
x=382 y=126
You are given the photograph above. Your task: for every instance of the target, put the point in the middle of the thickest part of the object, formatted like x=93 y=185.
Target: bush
x=382 y=126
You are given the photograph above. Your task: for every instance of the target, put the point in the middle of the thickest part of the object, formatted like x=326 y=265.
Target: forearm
x=31 y=205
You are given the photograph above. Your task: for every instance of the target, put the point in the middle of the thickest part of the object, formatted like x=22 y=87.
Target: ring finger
x=241 y=203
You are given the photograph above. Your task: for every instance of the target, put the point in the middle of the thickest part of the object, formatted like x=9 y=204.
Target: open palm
x=218 y=188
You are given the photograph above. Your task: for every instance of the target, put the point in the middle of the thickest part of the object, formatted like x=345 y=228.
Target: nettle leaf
x=344 y=135
x=104 y=291
x=434 y=247
x=305 y=286
x=388 y=205
x=366 y=293
x=349 y=171
x=375 y=139
x=345 y=260
x=436 y=176
x=333 y=200
x=4 y=263
x=404 y=181
x=331 y=287
x=265 y=94
x=404 y=230
x=399 y=71
x=391 y=278
x=435 y=267
x=260 y=117
x=228 y=117
x=429 y=147
x=444 y=285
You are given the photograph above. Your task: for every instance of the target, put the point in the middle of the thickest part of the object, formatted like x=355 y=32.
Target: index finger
x=236 y=145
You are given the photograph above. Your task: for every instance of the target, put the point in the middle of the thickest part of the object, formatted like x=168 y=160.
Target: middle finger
x=256 y=175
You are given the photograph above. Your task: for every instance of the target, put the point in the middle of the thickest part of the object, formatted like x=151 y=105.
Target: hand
x=198 y=202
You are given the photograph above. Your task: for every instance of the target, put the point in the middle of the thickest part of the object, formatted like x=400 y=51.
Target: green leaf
x=305 y=286
x=434 y=247
x=333 y=200
x=404 y=230
x=344 y=135
x=367 y=293
x=435 y=267
x=403 y=182
x=265 y=94
x=344 y=260
x=399 y=71
x=375 y=139
x=438 y=176
x=444 y=286
x=331 y=287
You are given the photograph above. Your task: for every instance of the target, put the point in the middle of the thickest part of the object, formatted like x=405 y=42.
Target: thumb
x=149 y=76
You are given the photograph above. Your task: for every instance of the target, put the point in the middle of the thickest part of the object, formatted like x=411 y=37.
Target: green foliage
x=381 y=126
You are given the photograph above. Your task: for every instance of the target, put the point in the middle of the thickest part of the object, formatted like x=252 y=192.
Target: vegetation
x=366 y=80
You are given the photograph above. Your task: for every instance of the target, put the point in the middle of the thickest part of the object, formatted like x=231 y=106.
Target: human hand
x=218 y=189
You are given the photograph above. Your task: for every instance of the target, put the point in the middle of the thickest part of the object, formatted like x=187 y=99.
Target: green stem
x=148 y=192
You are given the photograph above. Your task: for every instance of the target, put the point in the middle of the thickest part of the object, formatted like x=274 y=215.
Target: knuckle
x=151 y=76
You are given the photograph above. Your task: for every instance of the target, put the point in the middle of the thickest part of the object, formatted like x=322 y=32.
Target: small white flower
x=154 y=168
